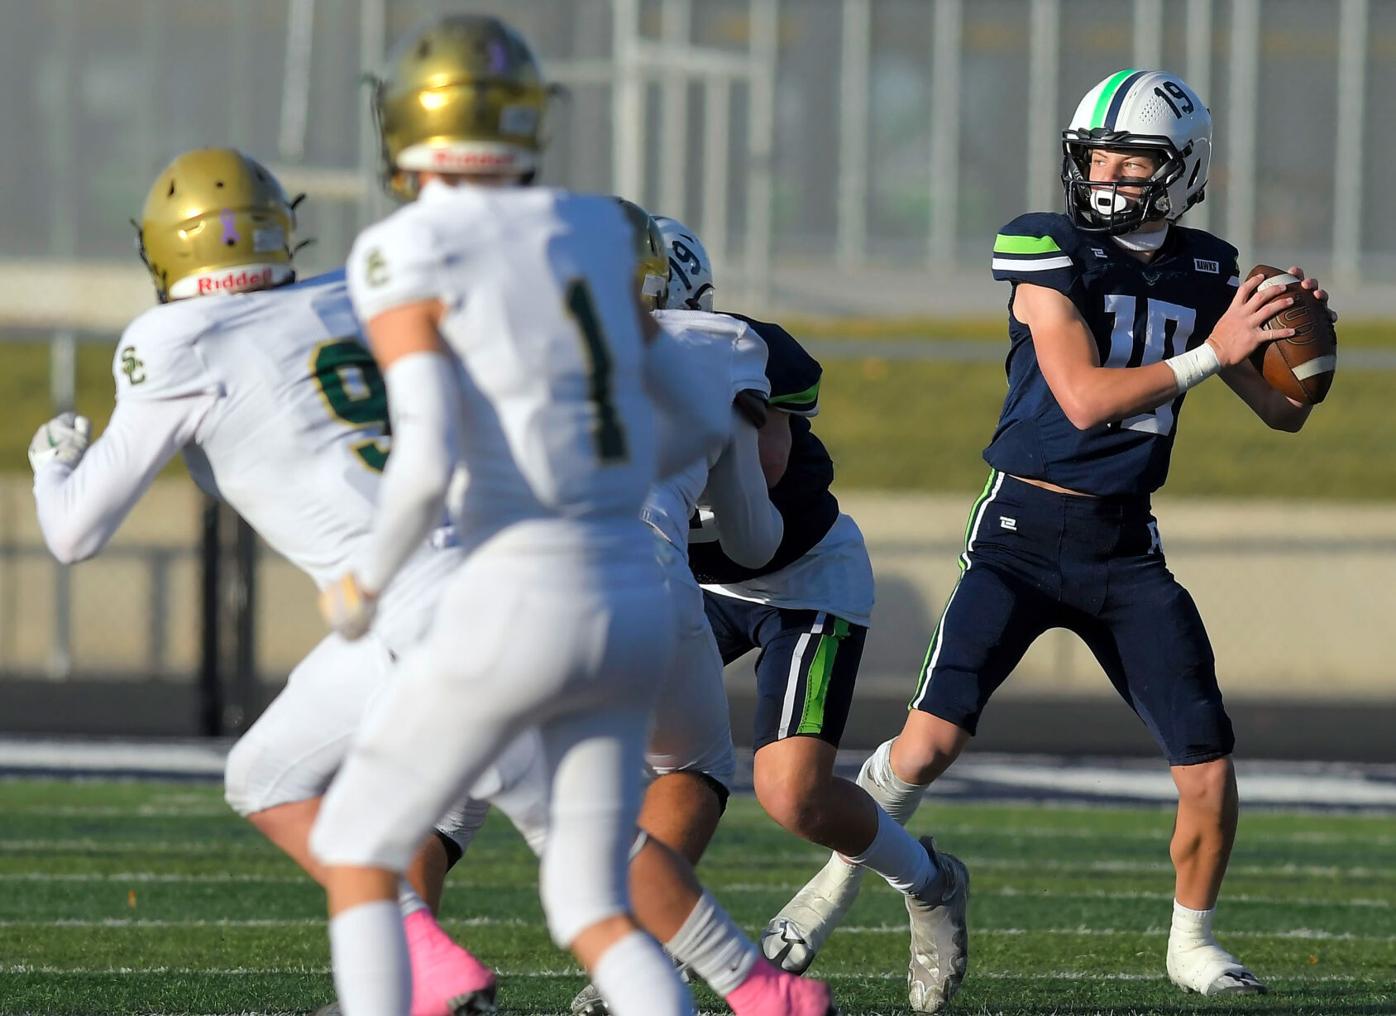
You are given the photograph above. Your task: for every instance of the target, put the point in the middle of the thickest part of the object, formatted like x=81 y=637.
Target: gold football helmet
x=215 y=221
x=651 y=261
x=463 y=95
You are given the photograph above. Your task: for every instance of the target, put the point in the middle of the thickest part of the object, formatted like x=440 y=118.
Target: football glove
x=63 y=439
x=347 y=607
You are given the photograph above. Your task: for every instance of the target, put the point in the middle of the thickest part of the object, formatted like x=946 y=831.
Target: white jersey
x=537 y=286
x=834 y=576
x=726 y=357
x=295 y=438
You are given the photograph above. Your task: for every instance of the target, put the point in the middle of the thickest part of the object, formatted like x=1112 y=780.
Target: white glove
x=347 y=607
x=63 y=439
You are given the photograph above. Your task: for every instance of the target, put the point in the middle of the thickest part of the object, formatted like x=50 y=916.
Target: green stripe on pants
x=821 y=670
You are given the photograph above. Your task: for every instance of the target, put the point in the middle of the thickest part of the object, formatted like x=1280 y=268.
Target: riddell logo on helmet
x=235 y=282
x=449 y=160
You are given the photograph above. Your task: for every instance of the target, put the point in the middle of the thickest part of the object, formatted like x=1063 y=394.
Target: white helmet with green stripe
x=1140 y=110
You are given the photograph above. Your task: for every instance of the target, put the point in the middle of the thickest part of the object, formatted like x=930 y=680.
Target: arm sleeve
x=393 y=264
x=749 y=526
x=1036 y=249
x=80 y=508
x=424 y=401
x=692 y=404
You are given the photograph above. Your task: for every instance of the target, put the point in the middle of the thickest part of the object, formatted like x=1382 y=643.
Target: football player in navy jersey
x=1115 y=312
x=806 y=613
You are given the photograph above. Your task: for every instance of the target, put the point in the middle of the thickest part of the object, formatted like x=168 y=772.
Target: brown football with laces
x=1302 y=365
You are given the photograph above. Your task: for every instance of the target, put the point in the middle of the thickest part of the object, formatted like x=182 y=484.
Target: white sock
x=637 y=979
x=713 y=946
x=371 y=970
x=1191 y=927
x=896 y=855
x=408 y=901
x=897 y=797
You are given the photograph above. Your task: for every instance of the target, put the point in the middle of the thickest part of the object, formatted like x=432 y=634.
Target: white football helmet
x=690 y=269
x=1144 y=110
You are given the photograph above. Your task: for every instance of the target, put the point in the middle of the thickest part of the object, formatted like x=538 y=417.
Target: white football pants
x=564 y=641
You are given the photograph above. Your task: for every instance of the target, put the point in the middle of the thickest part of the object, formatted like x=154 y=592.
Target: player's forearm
x=1090 y=396
x=749 y=526
x=80 y=508
x=424 y=400
x=73 y=529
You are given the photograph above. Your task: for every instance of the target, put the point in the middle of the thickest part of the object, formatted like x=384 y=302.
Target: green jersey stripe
x=807 y=397
x=1006 y=243
x=1102 y=102
x=821 y=670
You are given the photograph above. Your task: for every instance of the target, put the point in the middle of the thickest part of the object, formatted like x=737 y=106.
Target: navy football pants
x=1036 y=560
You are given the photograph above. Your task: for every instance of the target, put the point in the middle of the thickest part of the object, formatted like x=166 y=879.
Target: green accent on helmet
x=1102 y=102
x=1006 y=244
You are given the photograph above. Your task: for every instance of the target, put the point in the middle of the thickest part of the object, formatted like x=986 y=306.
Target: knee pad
x=238 y=778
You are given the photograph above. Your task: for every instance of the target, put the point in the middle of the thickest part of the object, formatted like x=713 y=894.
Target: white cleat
x=1210 y=970
x=939 y=935
x=589 y=1003
x=794 y=936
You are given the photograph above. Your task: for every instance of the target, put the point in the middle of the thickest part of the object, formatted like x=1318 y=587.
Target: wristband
x=1194 y=366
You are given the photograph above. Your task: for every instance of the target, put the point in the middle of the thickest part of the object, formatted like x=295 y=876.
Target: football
x=1300 y=366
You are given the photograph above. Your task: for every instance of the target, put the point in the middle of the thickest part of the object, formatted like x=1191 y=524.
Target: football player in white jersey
x=265 y=386
x=807 y=611
x=518 y=361
x=691 y=739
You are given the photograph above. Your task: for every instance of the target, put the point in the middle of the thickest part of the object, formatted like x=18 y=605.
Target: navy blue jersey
x=1138 y=314
x=807 y=506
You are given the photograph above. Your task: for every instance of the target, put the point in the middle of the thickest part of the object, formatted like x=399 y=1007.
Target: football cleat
x=479 y=1003
x=1208 y=969
x=589 y=1003
x=939 y=934
x=795 y=935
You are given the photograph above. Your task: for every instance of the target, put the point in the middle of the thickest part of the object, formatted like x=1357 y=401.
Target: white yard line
x=1305 y=934
x=236 y=922
x=997 y=975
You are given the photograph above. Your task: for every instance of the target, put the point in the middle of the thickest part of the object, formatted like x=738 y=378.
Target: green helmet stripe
x=1102 y=102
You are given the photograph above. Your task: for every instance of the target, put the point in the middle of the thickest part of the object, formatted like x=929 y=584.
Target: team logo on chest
x=1151 y=277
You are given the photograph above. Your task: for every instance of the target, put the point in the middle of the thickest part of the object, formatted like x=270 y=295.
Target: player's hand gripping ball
x=1302 y=365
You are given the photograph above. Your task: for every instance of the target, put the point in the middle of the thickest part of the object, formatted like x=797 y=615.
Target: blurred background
x=847 y=163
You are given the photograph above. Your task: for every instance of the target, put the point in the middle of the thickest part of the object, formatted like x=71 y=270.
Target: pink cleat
x=446 y=980
x=770 y=991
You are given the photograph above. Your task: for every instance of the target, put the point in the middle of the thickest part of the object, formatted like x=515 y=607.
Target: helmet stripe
x=1102 y=102
x=1119 y=99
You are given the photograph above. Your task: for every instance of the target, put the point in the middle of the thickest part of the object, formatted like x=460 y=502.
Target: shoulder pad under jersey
x=158 y=356
x=392 y=263
x=794 y=374
x=1039 y=248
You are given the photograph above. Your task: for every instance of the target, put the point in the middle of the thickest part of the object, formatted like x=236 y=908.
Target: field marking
x=997 y=975
x=1058 y=833
x=719 y=888
x=242 y=922
x=136 y=923
x=116 y=811
x=156 y=877
x=814 y=859
x=1036 y=894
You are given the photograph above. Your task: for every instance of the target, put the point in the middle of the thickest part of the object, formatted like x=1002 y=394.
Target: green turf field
x=152 y=898
x=921 y=425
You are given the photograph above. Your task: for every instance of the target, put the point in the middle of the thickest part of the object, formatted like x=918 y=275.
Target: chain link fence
x=841 y=157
